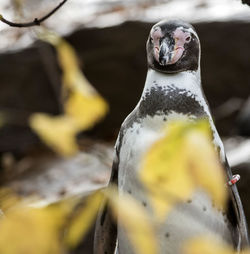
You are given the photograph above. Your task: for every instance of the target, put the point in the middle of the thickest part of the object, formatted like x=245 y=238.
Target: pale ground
x=50 y=179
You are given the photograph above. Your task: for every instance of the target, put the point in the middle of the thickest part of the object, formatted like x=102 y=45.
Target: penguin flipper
x=236 y=212
x=106 y=225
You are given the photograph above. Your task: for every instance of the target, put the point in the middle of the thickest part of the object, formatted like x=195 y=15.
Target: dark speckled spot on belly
x=167 y=235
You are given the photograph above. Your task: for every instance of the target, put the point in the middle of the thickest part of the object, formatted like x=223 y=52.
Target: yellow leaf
x=83 y=106
x=73 y=78
x=135 y=221
x=83 y=220
x=57 y=132
x=180 y=162
x=72 y=75
x=206 y=245
x=85 y=110
x=204 y=166
x=26 y=230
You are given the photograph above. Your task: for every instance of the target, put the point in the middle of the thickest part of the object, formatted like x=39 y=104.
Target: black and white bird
x=172 y=91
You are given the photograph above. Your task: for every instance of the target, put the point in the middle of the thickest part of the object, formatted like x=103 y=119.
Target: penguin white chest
x=136 y=141
x=195 y=218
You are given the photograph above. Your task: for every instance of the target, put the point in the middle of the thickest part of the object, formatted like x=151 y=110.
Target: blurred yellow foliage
x=83 y=220
x=179 y=163
x=135 y=221
x=26 y=231
x=206 y=245
x=78 y=107
x=56 y=228
x=58 y=132
x=51 y=229
x=83 y=106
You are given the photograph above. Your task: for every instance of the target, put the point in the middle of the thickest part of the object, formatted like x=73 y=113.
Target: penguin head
x=173 y=46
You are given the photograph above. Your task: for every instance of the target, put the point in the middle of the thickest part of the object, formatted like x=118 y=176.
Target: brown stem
x=36 y=21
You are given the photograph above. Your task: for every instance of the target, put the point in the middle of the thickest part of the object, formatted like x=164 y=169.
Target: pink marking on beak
x=176 y=55
x=181 y=38
x=156 y=52
x=156 y=34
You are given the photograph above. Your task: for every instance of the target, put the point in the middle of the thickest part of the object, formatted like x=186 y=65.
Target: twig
x=36 y=21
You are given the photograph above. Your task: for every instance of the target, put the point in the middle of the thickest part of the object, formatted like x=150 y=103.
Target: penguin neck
x=187 y=80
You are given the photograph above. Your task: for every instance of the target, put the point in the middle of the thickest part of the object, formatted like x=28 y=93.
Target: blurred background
x=109 y=37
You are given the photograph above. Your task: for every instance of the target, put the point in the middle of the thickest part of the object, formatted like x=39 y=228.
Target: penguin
x=172 y=91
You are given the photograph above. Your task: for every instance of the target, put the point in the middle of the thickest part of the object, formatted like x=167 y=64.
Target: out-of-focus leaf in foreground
x=207 y=245
x=180 y=162
x=58 y=132
x=56 y=228
x=83 y=219
x=135 y=221
x=83 y=106
x=28 y=230
x=51 y=229
x=85 y=112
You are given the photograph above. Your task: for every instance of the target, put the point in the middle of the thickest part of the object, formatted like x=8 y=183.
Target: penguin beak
x=165 y=53
x=169 y=53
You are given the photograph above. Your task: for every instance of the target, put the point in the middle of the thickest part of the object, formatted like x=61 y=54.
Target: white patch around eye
x=189 y=30
x=156 y=33
x=188 y=39
x=182 y=35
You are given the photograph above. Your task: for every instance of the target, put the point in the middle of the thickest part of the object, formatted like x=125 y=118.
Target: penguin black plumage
x=172 y=91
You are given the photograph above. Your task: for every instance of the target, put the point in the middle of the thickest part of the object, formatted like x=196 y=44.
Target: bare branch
x=36 y=21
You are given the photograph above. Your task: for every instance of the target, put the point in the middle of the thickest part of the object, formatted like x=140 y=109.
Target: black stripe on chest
x=163 y=101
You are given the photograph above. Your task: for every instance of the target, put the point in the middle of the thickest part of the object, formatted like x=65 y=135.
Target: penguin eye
x=188 y=39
